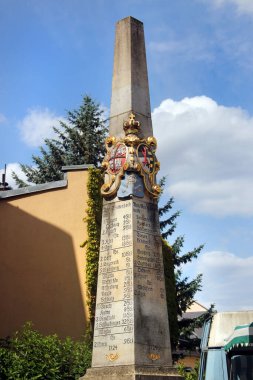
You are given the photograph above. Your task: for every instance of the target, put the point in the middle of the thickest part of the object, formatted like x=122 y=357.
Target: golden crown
x=131 y=126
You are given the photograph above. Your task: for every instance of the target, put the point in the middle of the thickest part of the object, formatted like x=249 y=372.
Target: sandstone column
x=130 y=90
x=131 y=333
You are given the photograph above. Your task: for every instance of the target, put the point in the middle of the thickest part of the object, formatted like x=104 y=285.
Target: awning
x=242 y=337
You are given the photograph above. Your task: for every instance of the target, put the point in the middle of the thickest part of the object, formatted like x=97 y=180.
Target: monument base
x=131 y=372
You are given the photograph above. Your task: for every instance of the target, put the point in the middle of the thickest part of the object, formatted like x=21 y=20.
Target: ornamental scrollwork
x=130 y=164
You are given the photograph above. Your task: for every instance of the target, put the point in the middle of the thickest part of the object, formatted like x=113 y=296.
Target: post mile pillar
x=131 y=332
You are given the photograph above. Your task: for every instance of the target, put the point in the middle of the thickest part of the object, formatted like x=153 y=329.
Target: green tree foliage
x=185 y=288
x=93 y=220
x=193 y=375
x=170 y=287
x=30 y=355
x=168 y=224
x=79 y=140
x=189 y=340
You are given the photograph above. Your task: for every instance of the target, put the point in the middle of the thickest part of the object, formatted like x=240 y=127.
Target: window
x=241 y=367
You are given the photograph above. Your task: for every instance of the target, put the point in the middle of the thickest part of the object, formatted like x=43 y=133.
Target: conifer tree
x=184 y=288
x=78 y=141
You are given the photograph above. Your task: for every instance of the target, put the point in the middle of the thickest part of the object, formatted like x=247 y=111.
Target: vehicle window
x=216 y=365
x=241 y=367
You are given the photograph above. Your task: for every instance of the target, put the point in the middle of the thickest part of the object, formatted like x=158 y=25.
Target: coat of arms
x=146 y=158
x=117 y=158
x=130 y=164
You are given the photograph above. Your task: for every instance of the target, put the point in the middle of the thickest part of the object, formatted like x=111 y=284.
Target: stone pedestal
x=132 y=373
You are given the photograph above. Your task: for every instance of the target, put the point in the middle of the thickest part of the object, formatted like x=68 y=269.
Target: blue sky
x=200 y=63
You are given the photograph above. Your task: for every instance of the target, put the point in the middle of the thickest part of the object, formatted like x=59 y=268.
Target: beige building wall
x=190 y=360
x=42 y=266
x=196 y=307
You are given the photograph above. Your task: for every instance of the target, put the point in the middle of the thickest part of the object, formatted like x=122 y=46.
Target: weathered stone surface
x=131 y=323
x=130 y=90
x=132 y=373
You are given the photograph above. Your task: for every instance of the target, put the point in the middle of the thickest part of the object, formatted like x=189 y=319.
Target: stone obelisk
x=131 y=332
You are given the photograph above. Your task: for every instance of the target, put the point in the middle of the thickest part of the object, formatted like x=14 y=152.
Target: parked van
x=227 y=347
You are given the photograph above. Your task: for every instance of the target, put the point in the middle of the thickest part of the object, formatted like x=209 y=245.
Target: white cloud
x=13 y=167
x=206 y=151
x=227 y=280
x=242 y=6
x=191 y=48
x=37 y=125
x=2 y=118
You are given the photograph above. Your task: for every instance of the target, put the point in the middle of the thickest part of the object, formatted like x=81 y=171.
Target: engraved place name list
x=131 y=314
x=114 y=319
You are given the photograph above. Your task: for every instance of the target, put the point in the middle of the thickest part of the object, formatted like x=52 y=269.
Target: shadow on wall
x=39 y=280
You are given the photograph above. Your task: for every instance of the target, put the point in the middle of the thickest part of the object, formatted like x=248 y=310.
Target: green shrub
x=189 y=375
x=30 y=355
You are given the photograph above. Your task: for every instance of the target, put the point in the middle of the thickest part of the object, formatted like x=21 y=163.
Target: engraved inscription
x=131 y=301
x=114 y=318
